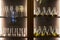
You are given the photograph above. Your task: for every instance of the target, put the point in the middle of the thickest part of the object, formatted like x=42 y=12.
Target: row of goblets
x=45 y=11
x=14 y=32
x=16 y=11
x=45 y=31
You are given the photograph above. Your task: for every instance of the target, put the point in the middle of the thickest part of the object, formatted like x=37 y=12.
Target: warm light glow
x=25 y=38
x=2 y=24
x=0 y=7
x=58 y=7
x=0 y=18
x=34 y=38
x=25 y=30
x=1 y=38
x=58 y=19
x=26 y=18
x=26 y=7
x=58 y=26
x=34 y=6
x=35 y=25
x=57 y=38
